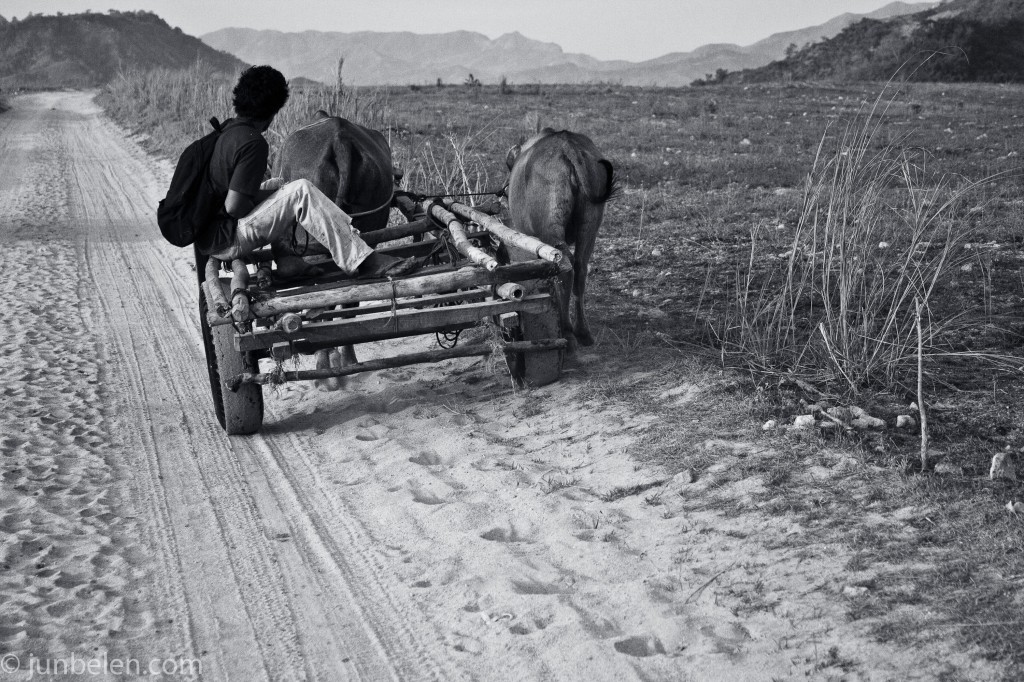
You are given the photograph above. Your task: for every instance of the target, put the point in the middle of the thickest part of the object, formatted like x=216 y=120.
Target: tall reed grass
x=877 y=232
x=173 y=107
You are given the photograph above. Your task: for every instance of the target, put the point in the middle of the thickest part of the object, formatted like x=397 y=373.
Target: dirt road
x=425 y=523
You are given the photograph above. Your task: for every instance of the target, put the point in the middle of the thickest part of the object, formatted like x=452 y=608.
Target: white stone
x=685 y=477
x=1002 y=467
x=863 y=420
x=769 y=425
x=905 y=421
x=868 y=422
x=804 y=421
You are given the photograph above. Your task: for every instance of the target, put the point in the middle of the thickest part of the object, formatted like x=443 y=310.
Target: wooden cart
x=479 y=270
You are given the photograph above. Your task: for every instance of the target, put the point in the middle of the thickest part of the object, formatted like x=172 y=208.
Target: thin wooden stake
x=920 y=389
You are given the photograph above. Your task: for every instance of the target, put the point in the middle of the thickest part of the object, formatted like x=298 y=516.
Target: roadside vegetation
x=773 y=245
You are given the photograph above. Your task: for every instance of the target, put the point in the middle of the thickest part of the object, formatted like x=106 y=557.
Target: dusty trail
x=426 y=523
x=202 y=549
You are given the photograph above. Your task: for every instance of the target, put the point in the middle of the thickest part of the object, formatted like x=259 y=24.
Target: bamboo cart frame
x=481 y=271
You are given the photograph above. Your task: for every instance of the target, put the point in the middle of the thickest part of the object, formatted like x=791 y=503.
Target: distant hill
x=86 y=50
x=959 y=40
x=373 y=58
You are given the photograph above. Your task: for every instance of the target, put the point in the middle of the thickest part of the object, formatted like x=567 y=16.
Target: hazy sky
x=606 y=29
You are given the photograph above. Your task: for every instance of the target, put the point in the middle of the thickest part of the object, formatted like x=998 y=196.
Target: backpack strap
x=216 y=124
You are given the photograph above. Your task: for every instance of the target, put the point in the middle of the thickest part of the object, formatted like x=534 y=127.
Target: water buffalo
x=352 y=165
x=347 y=162
x=557 y=190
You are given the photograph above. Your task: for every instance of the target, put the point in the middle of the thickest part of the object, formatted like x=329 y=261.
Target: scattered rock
x=843 y=414
x=656 y=253
x=949 y=469
x=855 y=591
x=828 y=426
x=804 y=421
x=770 y=425
x=1002 y=467
x=868 y=423
x=863 y=420
x=745 y=142
x=1015 y=507
x=883 y=245
x=685 y=477
x=905 y=421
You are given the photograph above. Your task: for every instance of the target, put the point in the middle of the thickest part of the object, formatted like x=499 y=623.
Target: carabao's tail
x=612 y=186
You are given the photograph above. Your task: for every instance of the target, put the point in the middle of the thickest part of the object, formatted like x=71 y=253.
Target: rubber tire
x=239 y=412
x=544 y=367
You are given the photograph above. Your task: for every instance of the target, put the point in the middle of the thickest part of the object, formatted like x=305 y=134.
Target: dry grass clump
x=457 y=165
x=878 y=232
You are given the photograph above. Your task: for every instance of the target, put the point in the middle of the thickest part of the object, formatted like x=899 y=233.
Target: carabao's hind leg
x=563 y=294
x=328 y=358
x=348 y=355
x=586 y=235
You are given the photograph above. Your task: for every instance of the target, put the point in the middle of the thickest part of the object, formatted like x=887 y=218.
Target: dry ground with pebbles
x=424 y=523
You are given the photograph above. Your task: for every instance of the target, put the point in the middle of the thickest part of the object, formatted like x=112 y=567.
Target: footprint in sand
x=401 y=375
x=426 y=497
x=726 y=639
x=426 y=458
x=640 y=646
x=520 y=629
x=532 y=586
x=510 y=533
x=531 y=625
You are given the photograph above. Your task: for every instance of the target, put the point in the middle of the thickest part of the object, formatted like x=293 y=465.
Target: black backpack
x=191 y=202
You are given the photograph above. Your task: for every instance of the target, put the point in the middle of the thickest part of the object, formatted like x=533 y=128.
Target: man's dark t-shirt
x=239 y=162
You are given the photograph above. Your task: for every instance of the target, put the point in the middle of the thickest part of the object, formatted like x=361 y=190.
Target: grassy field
x=714 y=212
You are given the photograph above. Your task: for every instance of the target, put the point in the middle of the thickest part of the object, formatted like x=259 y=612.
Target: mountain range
x=959 y=40
x=396 y=58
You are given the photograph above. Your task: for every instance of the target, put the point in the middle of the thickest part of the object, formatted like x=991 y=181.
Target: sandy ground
x=425 y=523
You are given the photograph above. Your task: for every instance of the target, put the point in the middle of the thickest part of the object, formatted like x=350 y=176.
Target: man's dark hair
x=260 y=93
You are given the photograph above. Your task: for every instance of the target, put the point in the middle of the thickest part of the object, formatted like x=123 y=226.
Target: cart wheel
x=544 y=367
x=239 y=412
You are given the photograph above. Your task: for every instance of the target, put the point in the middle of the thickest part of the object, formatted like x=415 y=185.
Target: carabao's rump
x=557 y=191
